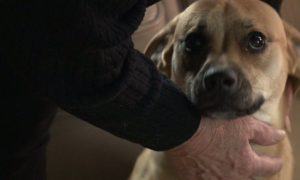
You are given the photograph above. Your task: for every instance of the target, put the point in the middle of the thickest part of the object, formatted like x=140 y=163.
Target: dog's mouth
x=224 y=94
x=231 y=109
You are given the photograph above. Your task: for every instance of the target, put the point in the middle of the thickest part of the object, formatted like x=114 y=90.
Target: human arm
x=83 y=59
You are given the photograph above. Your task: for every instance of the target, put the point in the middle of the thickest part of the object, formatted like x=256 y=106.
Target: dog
x=232 y=58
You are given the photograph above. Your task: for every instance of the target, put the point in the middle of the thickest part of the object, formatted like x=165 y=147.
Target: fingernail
x=281 y=132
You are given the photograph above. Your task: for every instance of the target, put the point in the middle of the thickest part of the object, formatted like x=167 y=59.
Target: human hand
x=221 y=149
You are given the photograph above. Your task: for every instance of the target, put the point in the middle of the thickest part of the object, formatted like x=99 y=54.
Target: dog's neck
x=276 y=112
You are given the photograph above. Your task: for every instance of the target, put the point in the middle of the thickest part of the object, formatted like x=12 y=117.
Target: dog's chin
x=231 y=111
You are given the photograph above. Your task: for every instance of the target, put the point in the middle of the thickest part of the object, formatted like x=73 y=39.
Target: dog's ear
x=276 y=4
x=160 y=48
x=293 y=50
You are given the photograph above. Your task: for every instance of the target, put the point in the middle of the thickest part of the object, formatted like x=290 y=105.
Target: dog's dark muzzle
x=220 y=81
x=224 y=93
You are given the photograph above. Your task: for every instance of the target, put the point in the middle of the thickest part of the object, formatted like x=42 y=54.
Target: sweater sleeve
x=86 y=63
x=138 y=104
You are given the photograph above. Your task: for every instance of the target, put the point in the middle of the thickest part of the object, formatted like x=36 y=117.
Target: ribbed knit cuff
x=143 y=107
x=177 y=120
x=163 y=115
x=151 y=2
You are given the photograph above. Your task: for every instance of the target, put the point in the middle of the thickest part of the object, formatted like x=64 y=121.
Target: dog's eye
x=256 y=41
x=195 y=43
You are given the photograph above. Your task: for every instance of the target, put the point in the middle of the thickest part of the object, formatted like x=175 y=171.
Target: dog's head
x=231 y=57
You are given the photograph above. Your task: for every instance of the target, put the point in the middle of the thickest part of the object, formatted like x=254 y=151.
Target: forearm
x=89 y=68
x=124 y=95
x=140 y=106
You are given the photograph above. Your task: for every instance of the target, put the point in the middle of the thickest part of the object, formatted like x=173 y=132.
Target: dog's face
x=231 y=57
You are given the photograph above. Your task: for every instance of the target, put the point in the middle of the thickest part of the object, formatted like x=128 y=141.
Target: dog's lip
x=255 y=106
x=208 y=111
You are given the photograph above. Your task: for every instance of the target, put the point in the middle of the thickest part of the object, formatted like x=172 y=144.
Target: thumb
x=266 y=166
x=265 y=135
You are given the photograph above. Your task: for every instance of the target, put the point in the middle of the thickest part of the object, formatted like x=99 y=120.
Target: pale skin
x=221 y=149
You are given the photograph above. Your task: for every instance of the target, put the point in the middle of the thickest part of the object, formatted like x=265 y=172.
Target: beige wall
x=291 y=12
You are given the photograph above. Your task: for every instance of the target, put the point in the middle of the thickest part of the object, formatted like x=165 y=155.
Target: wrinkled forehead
x=223 y=16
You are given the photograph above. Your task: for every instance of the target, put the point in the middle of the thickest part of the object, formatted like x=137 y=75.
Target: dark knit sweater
x=78 y=55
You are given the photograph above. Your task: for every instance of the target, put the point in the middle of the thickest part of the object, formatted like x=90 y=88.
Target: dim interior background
x=79 y=151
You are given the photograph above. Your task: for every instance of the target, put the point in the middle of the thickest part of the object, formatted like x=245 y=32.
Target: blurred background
x=79 y=151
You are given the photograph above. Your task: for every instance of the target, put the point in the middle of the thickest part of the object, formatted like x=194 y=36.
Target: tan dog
x=232 y=58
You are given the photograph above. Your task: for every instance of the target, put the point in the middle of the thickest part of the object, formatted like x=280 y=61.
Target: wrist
x=197 y=143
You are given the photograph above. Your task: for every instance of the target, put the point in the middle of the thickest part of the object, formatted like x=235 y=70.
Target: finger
x=265 y=135
x=287 y=124
x=290 y=95
x=266 y=166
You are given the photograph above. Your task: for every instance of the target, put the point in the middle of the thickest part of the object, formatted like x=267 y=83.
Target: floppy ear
x=293 y=50
x=160 y=48
x=276 y=4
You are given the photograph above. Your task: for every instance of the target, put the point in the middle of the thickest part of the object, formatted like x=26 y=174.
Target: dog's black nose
x=224 y=80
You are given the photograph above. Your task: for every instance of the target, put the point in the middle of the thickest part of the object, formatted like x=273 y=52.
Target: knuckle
x=249 y=162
